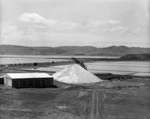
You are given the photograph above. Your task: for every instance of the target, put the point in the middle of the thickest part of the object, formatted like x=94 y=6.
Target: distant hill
x=72 y=50
x=22 y=50
x=136 y=57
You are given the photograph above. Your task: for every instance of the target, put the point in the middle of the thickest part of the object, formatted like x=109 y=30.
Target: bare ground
x=121 y=100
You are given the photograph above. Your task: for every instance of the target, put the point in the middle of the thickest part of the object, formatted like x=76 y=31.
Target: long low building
x=28 y=80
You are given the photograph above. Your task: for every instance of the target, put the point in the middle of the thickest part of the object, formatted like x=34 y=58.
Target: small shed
x=28 y=80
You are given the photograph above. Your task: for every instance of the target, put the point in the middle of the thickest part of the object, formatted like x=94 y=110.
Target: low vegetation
x=136 y=57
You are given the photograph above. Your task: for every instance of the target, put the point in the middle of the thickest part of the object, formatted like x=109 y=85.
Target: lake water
x=27 y=60
x=14 y=59
x=123 y=67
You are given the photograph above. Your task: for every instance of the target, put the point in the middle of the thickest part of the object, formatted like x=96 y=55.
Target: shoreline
x=69 y=61
x=20 y=68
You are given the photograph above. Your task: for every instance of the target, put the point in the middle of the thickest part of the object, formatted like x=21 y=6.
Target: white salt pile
x=75 y=74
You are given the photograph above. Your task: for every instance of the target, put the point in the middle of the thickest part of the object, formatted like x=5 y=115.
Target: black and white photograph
x=74 y=59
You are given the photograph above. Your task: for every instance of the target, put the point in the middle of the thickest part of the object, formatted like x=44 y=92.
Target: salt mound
x=75 y=74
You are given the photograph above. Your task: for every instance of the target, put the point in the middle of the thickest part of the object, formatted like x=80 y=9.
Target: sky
x=52 y=23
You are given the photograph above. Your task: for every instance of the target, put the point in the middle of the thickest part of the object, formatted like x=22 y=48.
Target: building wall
x=28 y=82
x=1 y=80
x=8 y=81
x=32 y=83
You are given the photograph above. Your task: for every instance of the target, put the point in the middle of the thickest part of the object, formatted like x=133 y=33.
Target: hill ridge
x=71 y=50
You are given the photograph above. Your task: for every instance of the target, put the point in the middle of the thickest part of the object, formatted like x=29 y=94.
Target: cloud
x=118 y=29
x=11 y=33
x=33 y=23
x=127 y=30
x=35 y=18
x=67 y=25
x=113 y=21
x=97 y=23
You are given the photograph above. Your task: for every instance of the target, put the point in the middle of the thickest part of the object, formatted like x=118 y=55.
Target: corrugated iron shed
x=28 y=80
x=28 y=75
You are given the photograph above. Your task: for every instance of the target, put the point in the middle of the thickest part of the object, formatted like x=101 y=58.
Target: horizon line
x=76 y=46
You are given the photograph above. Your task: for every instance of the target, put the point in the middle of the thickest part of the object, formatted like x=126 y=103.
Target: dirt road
x=96 y=105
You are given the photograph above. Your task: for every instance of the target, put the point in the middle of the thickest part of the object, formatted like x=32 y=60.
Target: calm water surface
x=119 y=67
x=124 y=67
x=26 y=60
x=14 y=59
